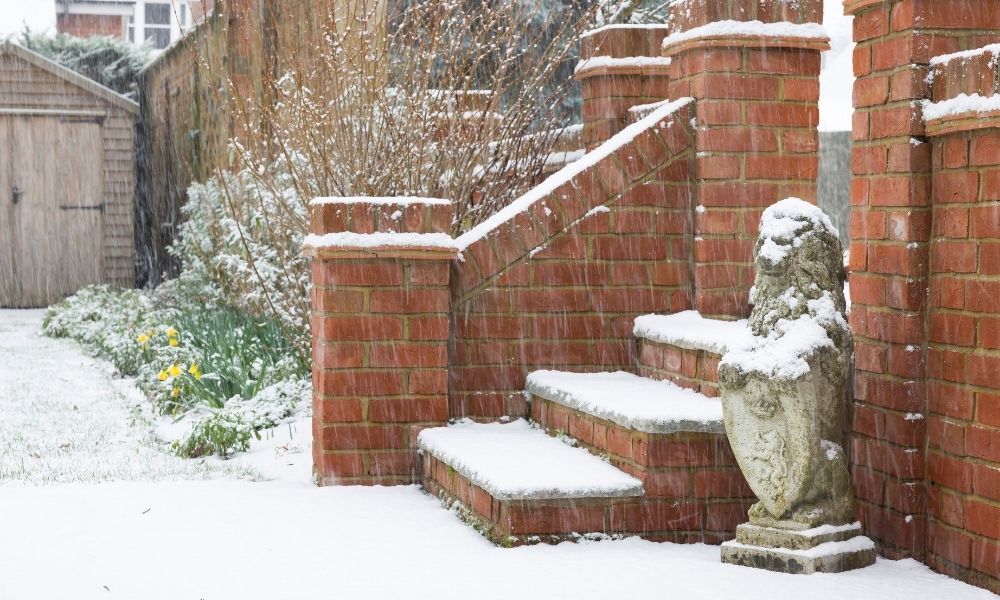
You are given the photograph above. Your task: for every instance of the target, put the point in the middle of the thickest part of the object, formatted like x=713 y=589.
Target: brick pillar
x=891 y=227
x=380 y=335
x=757 y=95
x=620 y=67
x=963 y=334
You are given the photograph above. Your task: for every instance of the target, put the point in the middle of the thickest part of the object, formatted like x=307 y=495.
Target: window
x=158 y=24
x=131 y=28
x=183 y=19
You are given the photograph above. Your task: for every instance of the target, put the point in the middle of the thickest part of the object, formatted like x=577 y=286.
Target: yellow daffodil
x=174 y=371
x=163 y=376
x=173 y=342
x=175 y=392
x=170 y=331
x=195 y=371
x=143 y=338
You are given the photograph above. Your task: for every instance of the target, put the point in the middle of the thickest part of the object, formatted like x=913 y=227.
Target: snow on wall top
x=962 y=103
x=516 y=461
x=568 y=172
x=631 y=401
x=749 y=28
x=944 y=59
x=347 y=239
x=688 y=329
x=629 y=61
x=381 y=200
x=606 y=28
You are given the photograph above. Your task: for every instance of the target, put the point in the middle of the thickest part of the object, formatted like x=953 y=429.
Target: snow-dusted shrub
x=112 y=62
x=106 y=322
x=240 y=245
x=229 y=374
x=229 y=429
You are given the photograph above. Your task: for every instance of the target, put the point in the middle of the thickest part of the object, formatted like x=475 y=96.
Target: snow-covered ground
x=68 y=532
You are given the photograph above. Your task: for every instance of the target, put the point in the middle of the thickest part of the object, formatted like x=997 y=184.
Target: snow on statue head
x=785 y=397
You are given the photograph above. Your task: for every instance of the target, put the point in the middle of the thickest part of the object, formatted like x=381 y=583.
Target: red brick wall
x=757 y=141
x=380 y=331
x=963 y=358
x=91 y=25
x=922 y=284
x=557 y=287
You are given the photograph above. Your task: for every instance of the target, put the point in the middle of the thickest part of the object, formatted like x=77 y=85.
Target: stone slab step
x=517 y=485
x=685 y=348
x=515 y=461
x=669 y=437
x=631 y=401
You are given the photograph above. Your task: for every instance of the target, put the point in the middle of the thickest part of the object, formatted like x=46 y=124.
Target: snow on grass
x=66 y=419
x=631 y=401
x=515 y=460
x=223 y=539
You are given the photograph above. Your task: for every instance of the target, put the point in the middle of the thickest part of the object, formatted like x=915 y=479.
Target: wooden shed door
x=51 y=208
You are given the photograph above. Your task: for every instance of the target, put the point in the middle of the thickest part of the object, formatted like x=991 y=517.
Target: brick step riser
x=520 y=522
x=694 y=369
x=690 y=469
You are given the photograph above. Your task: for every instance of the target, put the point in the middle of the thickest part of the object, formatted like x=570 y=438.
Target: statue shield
x=772 y=428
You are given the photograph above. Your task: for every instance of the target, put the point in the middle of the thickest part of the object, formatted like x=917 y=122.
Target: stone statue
x=785 y=397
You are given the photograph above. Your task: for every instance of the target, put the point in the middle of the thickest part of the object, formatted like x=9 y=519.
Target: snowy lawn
x=93 y=508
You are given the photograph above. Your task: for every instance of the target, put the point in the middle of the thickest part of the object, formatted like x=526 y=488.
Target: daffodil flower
x=175 y=392
x=143 y=338
x=195 y=371
x=171 y=332
x=174 y=371
x=163 y=376
x=173 y=342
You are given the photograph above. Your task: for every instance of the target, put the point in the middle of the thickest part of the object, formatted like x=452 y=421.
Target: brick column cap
x=853 y=7
x=628 y=65
x=346 y=244
x=748 y=34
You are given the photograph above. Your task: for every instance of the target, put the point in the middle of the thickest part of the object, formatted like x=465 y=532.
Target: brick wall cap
x=853 y=7
x=944 y=59
x=620 y=26
x=965 y=112
x=806 y=36
x=379 y=200
x=366 y=245
x=630 y=65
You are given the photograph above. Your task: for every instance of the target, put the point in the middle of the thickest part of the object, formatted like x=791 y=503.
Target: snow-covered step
x=515 y=461
x=633 y=402
x=517 y=485
x=689 y=329
x=686 y=347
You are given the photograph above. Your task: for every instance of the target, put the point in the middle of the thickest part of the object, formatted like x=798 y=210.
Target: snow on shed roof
x=70 y=76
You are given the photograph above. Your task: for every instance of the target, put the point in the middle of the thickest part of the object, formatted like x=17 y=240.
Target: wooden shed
x=67 y=181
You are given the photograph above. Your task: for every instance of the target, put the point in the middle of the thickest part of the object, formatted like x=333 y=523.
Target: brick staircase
x=605 y=453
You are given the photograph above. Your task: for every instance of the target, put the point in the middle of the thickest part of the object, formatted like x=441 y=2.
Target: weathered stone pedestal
x=823 y=549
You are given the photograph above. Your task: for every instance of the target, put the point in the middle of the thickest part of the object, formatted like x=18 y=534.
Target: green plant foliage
x=109 y=61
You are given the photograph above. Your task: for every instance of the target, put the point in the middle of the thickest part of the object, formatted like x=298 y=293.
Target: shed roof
x=70 y=76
